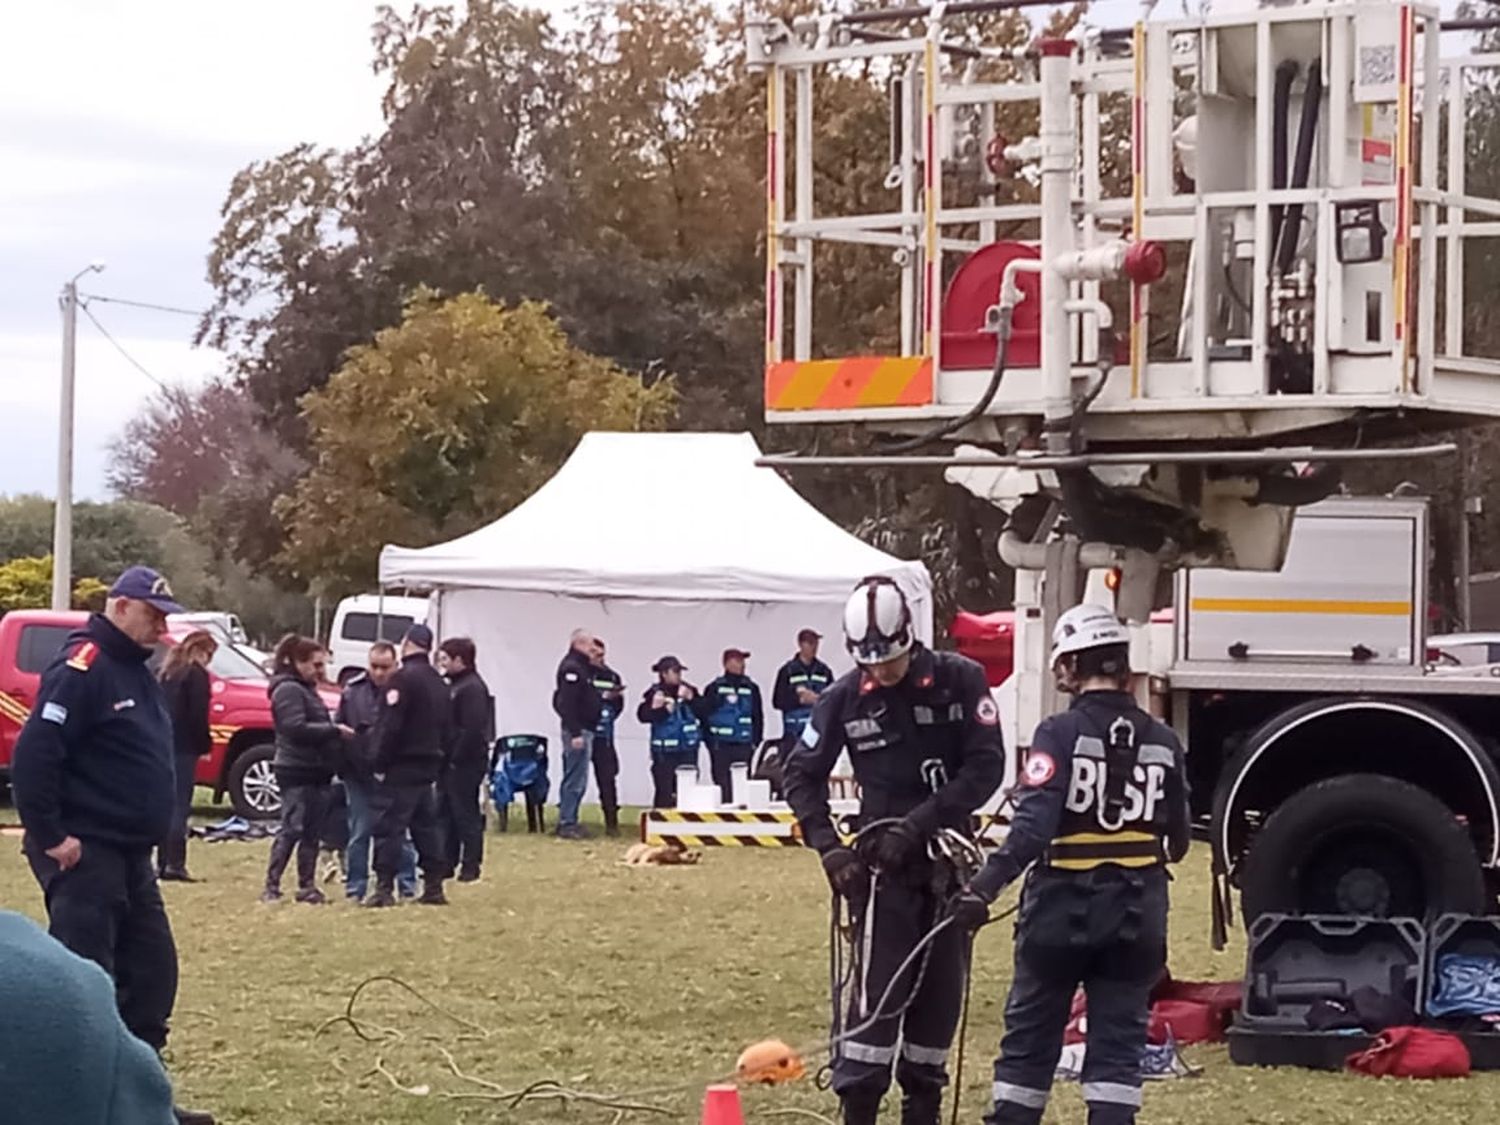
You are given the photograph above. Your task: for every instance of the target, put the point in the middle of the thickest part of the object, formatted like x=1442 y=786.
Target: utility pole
x=62 y=520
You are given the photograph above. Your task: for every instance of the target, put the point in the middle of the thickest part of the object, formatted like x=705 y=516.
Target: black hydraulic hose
x=1307 y=131
x=953 y=425
x=1281 y=101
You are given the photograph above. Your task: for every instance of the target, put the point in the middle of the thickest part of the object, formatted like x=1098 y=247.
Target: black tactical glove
x=846 y=873
x=899 y=846
x=969 y=910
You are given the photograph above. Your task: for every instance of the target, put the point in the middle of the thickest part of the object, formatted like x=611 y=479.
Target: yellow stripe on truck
x=1301 y=605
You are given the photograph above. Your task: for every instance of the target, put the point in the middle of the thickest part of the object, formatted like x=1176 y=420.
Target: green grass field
x=609 y=979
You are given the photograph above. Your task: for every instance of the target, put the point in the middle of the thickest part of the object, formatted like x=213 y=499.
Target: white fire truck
x=1159 y=375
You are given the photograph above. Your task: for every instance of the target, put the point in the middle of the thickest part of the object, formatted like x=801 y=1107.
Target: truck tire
x=252 y=785
x=1362 y=844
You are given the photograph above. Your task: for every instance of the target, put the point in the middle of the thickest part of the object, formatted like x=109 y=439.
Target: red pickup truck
x=239 y=765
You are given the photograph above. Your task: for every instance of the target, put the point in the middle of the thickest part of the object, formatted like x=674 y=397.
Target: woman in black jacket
x=184 y=682
x=308 y=742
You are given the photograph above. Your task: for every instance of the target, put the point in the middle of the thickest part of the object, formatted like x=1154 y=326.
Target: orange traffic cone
x=721 y=1106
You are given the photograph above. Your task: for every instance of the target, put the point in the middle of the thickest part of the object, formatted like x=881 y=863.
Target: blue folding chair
x=518 y=765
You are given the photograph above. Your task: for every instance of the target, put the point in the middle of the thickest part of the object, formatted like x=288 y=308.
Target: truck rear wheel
x=1362 y=844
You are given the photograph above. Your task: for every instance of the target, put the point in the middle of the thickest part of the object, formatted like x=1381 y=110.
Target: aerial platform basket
x=1301 y=167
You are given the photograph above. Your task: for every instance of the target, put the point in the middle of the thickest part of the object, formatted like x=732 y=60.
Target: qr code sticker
x=1377 y=65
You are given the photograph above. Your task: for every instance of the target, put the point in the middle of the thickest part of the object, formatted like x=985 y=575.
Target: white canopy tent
x=658 y=543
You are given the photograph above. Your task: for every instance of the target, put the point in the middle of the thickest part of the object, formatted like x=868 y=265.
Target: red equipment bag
x=1413 y=1052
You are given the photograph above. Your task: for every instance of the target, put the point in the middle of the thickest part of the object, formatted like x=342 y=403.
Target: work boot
x=921 y=1107
x=432 y=894
x=860 y=1109
x=312 y=896
x=611 y=822
x=176 y=875
x=192 y=1116
x=271 y=894
x=1111 y=1113
x=385 y=895
x=469 y=875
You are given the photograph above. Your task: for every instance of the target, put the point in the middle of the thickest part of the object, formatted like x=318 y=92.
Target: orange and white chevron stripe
x=841 y=384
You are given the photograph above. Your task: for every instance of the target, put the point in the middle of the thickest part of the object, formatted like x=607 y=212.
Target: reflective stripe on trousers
x=1116 y=1093
x=1021 y=1095
x=924 y=1056
x=867 y=1053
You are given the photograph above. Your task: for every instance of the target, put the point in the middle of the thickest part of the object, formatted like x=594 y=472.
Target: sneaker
x=379 y=899
x=192 y=1116
x=572 y=832
x=270 y=894
x=312 y=896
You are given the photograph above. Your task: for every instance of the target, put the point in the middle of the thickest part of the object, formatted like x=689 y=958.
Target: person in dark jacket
x=185 y=683
x=923 y=735
x=94 y=788
x=1101 y=809
x=359 y=708
x=667 y=708
x=606 y=758
x=578 y=707
x=471 y=733
x=411 y=745
x=308 y=748
x=799 y=682
x=66 y=1058
x=730 y=709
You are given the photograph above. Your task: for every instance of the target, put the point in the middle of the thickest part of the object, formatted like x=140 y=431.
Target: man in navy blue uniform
x=611 y=691
x=734 y=718
x=799 y=682
x=923 y=737
x=1102 y=808
x=93 y=780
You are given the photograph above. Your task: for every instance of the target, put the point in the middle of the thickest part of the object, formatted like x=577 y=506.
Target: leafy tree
x=444 y=424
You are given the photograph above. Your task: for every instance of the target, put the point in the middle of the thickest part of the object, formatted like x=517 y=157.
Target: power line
x=141 y=305
x=119 y=347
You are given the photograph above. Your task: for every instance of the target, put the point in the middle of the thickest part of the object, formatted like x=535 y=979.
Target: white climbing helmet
x=1084 y=627
x=877 y=621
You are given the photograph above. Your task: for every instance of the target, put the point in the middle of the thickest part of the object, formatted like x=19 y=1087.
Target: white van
x=362 y=620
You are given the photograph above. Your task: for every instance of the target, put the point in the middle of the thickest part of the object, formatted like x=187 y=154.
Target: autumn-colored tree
x=445 y=423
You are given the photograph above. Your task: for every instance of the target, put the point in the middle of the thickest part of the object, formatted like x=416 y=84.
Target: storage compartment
x=1296 y=963
x=1458 y=994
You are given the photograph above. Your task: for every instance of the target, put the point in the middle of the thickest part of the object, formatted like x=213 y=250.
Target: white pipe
x=1010 y=294
x=1058 y=154
x=1102 y=314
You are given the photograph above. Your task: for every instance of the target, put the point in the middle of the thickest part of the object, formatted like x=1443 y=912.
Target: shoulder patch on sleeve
x=986 y=712
x=54 y=713
x=809 y=735
x=82 y=659
x=1039 y=769
x=392 y=697
x=571 y=677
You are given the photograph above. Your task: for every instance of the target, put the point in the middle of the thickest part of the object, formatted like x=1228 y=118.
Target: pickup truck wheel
x=252 y=784
x=1362 y=844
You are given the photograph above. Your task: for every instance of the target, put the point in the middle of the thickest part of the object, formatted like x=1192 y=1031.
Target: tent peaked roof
x=658 y=516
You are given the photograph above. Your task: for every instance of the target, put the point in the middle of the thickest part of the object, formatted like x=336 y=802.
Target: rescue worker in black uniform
x=1102 y=808
x=734 y=719
x=411 y=744
x=611 y=692
x=923 y=735
x=93 y=779
x=471 y=733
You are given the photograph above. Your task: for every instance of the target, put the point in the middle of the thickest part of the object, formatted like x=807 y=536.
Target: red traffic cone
x=721 y=1106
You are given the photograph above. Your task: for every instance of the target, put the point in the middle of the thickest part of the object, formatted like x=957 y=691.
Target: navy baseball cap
x=145 y=585
x=669 y=664
x=421 y=636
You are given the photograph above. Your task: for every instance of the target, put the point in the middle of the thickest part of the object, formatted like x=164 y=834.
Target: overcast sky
x=121 y=123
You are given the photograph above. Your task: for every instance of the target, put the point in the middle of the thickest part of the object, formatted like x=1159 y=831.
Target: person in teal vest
x=730 y=708
x=667 y=708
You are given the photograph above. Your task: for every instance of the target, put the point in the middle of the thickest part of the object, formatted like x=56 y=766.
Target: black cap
x=669 y=664
x=735 y=654
x=419 y=636
x=808 y=635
